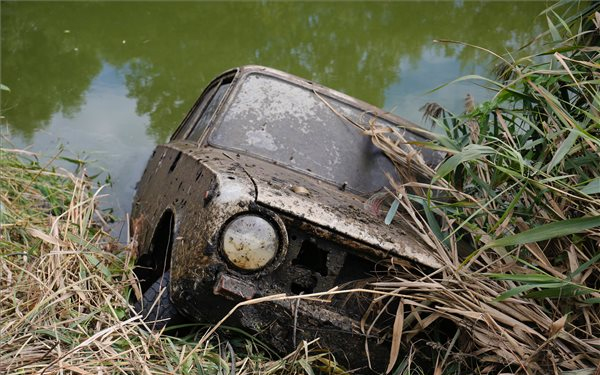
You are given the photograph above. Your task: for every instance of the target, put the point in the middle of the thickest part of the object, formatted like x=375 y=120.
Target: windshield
x=289 y=124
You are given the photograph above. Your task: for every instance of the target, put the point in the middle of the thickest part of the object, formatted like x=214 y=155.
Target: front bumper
x=284 y=323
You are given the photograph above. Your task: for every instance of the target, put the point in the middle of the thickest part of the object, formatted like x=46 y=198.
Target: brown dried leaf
x=396 y=336
x=47 y=238
x=557 y=325
x=574 y=263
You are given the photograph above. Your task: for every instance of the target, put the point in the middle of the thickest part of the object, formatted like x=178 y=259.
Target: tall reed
x=513 y=213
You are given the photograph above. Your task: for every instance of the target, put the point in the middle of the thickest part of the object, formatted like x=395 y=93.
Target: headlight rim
x=280 y=232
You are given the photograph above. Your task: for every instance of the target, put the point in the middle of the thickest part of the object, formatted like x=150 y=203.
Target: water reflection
x=116 y=78
x=168 y=51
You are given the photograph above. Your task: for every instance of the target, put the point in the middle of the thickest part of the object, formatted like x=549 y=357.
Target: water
x=108 y=81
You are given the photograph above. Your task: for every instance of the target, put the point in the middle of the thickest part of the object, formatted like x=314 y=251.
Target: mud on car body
x=260 y=191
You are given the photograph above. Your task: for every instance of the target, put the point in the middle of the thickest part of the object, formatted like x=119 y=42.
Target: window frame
x=193 y=116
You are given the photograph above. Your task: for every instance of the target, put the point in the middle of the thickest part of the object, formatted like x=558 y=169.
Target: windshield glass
x=294 y=126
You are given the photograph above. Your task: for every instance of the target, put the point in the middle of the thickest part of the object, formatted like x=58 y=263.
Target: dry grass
x=64 y=288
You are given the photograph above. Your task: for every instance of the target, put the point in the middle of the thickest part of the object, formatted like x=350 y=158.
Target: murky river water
x=108 y=81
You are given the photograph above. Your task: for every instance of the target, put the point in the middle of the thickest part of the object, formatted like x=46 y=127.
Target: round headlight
x=250 y=242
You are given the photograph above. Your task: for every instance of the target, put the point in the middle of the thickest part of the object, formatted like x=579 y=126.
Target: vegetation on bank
x=65 y=285
x=513 y=213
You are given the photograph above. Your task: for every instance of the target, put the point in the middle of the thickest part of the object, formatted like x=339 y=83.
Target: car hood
x=319 y=203
x=327 y=206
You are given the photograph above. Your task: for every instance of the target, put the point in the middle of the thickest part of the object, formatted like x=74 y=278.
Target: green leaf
x=468 y=77
x=555 y=178
x=96 y=263
x=433 y=224
x=121 y=313
x=508 y=171
x=77 y=162
x=562 y=150
x=509 y=209
x=553 y=287
x=448 y=145
x=592 y=187
x=58 y=335
x=553 y=31
x=306 y=367
x=547 y=231
x=391 y=212
x=563 y=23
x=585 y=265
x=514 y=291
x=592 y=300
x=470 y=152
x=590 y=82
x=567 y=290
x=530 y=278
x=515 y=155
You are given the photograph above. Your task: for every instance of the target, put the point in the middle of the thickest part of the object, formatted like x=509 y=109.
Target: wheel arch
x=155 y=259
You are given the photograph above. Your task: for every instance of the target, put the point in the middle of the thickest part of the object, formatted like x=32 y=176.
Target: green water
x=107 y=81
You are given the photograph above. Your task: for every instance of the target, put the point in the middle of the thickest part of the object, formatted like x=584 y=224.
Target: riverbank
x=65 y=286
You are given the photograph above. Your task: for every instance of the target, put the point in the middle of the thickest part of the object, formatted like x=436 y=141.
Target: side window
x=192 y=116
x=208 y=111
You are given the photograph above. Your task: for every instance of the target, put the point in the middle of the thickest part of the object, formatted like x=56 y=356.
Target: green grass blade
x=562 y=150
x=470 y=152
x=529 y=278
x=547 y=231
x=555 y=291
x=514 y=291
x=592 y=187
x=586 y=265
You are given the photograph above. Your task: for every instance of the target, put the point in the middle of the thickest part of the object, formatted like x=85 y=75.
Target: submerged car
x=261 y=191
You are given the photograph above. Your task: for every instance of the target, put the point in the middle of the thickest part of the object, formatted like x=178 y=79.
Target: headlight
x=250 y=242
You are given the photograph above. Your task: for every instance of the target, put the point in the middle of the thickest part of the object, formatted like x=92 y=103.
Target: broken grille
x=317 y=264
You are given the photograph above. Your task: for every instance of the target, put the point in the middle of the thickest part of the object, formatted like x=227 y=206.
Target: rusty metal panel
x=326 y=237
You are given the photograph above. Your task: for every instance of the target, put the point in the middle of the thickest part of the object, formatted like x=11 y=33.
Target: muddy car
x=261 y=191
